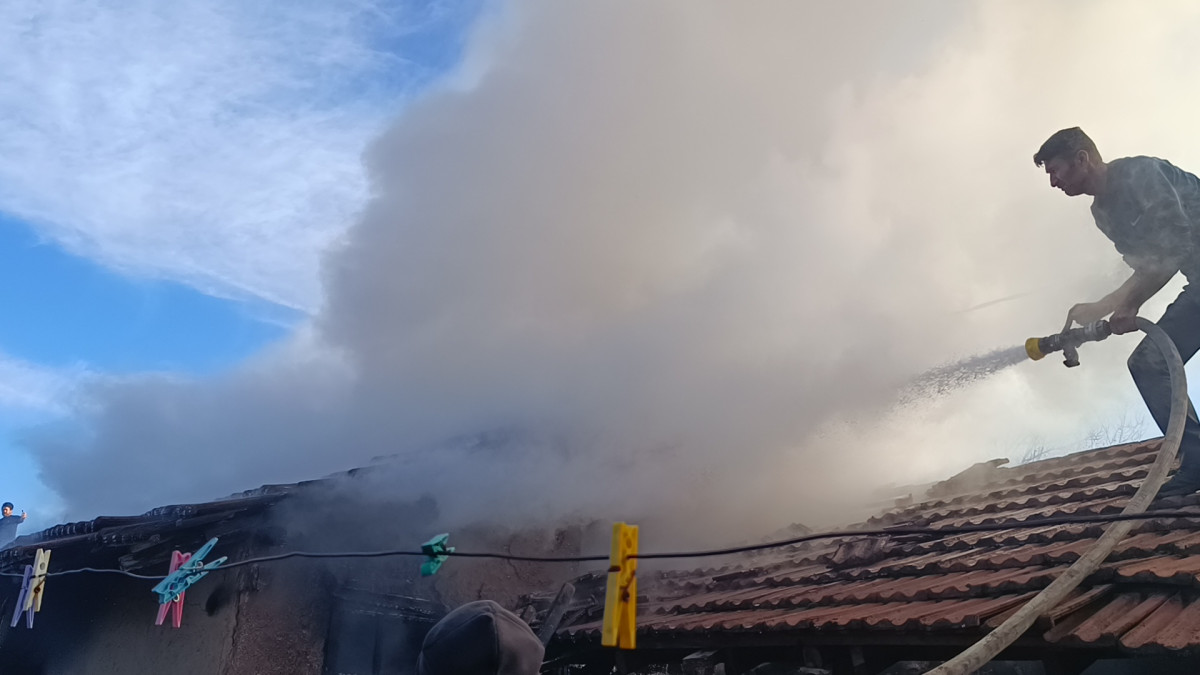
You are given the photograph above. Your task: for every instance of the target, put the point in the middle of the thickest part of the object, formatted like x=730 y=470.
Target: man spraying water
x=1150 y=209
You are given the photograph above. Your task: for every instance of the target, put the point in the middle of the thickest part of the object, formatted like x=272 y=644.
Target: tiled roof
x=164 y=521
x=159 y=524
x=1143 y=598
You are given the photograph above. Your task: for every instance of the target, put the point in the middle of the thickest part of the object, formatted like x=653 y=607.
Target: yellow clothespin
x=620 y=603
x=41 y=564
x=32 y=587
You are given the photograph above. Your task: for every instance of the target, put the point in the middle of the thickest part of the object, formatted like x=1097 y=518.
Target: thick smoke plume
x=679 y=259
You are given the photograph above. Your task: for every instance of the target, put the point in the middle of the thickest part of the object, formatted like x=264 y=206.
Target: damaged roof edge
x=126 y=530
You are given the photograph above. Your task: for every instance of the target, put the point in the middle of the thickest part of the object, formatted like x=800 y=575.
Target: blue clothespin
x=437 y=551
x=190 y=572
x=33 y=587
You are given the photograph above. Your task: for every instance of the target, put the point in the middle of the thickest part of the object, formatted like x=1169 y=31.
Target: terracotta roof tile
x=1151 y=629
x=1182 y=631
x=1183 y=569
x=1112 y=620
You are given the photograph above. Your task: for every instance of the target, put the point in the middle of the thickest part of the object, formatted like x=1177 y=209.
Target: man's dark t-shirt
x=1150 y=210
x=8 y=528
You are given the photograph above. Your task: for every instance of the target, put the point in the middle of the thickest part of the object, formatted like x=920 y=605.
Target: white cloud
x=33 y=392
x=215 y=142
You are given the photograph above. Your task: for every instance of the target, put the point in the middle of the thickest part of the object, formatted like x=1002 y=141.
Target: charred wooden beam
x=555 y=614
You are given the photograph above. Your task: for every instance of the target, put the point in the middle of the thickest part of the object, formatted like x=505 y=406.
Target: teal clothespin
x=188 y=573
x=437 y=551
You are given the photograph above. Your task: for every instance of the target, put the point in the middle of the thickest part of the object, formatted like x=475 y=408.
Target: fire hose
x=987 y=648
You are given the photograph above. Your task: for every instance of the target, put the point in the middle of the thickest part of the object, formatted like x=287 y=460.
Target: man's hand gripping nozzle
x=1067 y=342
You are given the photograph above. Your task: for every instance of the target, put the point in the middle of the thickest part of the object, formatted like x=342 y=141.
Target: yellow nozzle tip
x=1032 y=349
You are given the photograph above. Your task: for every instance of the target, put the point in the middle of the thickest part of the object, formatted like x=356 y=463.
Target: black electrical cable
x=896 y=530
x=938 y=531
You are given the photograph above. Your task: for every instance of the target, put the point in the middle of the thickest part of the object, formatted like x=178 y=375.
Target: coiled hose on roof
x=1015 y=626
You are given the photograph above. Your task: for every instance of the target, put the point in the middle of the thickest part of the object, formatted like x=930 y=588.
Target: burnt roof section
x=161 y=525
x=173 y=521
x=920 y=589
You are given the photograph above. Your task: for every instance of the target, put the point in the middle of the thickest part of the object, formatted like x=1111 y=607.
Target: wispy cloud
x=215 y=142
x=27 y=390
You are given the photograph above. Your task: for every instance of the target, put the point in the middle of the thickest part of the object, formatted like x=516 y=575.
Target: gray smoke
x=683 y=256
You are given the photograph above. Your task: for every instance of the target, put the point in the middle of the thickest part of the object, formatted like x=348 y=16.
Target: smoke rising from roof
x=686 y=254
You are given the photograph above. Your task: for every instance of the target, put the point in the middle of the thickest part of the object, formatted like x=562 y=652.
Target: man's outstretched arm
x=1123 y=304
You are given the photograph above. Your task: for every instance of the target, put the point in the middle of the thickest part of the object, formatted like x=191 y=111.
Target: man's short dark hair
x=6 y=505
x=1065 y=143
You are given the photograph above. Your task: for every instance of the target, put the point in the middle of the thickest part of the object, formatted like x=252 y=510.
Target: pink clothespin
x=176 y=605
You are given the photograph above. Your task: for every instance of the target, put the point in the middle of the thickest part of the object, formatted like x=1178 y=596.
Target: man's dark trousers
x=1181 y=322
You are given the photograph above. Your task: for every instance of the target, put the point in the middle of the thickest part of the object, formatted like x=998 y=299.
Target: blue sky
x=165 y=210
x=63 y=311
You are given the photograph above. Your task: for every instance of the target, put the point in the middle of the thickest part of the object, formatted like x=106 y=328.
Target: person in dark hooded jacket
x=481 y=638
